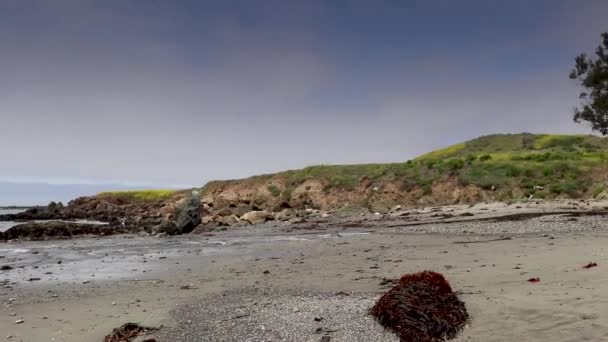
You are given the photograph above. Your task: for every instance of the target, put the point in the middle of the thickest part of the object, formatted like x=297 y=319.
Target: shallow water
x=122 y=257
x=6 y=225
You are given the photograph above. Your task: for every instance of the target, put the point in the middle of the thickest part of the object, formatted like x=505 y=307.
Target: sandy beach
x=314 y=281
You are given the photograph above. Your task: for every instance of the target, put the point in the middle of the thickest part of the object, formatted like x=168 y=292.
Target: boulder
x=220 y=202
x=189 y=216
x=206 y=220
x=230 y=220
x=167 y=211
x=256 y=216
x=285 y=215
x=166 y=227
x=226 y=211
x=241 y=209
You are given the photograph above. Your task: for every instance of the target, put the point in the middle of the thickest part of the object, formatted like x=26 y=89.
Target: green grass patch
x=141 y=195
x=274 y=190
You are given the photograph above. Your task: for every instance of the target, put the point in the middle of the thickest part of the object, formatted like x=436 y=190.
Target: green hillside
x=511 y=165
x=559 y=164
x=494 y=167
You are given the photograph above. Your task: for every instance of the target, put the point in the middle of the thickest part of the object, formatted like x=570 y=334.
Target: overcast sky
x=181 y=92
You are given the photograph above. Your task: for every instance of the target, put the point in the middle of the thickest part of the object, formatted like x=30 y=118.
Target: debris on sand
x=589 y=265
x=422 y=307
x=534 y=280
x=127 y=332
x=388 y=282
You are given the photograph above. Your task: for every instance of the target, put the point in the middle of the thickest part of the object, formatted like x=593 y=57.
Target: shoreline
x=102 y=283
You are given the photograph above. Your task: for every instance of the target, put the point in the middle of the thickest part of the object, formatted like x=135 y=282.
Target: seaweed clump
x=421 y=308
x=127 y=333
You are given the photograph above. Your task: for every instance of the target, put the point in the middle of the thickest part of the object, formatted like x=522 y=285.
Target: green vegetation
x=274 y=190
x=512 y=165
x=141 y=195
x=592 y=75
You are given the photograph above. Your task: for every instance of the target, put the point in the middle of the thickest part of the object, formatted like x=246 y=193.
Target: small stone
x=267 y=272
x=296 y=309
x=19 y=321
x=114 y=303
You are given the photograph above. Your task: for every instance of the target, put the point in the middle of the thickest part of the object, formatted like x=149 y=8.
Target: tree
x=592 y=76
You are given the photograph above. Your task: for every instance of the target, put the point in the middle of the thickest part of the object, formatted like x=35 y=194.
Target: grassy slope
x=512 y=164
x=141 y=195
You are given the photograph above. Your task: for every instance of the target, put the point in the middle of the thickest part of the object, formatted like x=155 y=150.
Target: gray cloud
x=108 y=94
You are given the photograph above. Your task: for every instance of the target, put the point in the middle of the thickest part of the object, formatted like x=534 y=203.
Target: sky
x=177 y=93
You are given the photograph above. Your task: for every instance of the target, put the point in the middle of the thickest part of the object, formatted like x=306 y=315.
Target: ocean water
x=6 y=225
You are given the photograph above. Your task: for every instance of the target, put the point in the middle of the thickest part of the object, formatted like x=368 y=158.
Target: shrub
x=485 y=157
x=274 y=190
x=598 y=190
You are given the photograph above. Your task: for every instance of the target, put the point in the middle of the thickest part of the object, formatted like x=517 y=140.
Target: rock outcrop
x=189 y=216
x=60 y=230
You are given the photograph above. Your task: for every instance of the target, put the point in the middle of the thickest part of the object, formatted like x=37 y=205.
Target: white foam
x=15 y=250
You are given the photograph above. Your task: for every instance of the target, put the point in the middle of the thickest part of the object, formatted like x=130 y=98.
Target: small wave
x=15 y=250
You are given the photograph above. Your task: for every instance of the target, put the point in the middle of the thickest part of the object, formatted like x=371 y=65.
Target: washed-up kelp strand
x=421 y=308
x=589 y=265
x=126 y=333
x=534 y=280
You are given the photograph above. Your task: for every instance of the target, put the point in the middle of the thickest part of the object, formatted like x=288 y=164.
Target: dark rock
x=6 y=268
x=58 y=230
x=166 y=227
x=188 y=216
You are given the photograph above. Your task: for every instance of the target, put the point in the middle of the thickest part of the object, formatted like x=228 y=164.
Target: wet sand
x=269 y=283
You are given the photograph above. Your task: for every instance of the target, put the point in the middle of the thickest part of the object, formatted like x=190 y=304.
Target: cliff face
x=237 y=197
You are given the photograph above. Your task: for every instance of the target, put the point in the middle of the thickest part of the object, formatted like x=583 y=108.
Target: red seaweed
x=534 y=280
x=421 y=308
x=589 y=265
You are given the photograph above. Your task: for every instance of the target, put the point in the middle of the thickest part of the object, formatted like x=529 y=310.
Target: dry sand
x=269 y=283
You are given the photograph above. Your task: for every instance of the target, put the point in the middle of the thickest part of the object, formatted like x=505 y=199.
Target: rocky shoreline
x=188 y=213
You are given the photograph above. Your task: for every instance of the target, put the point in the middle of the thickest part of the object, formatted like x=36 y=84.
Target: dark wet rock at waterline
x=54 y=211
x=60 y=230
